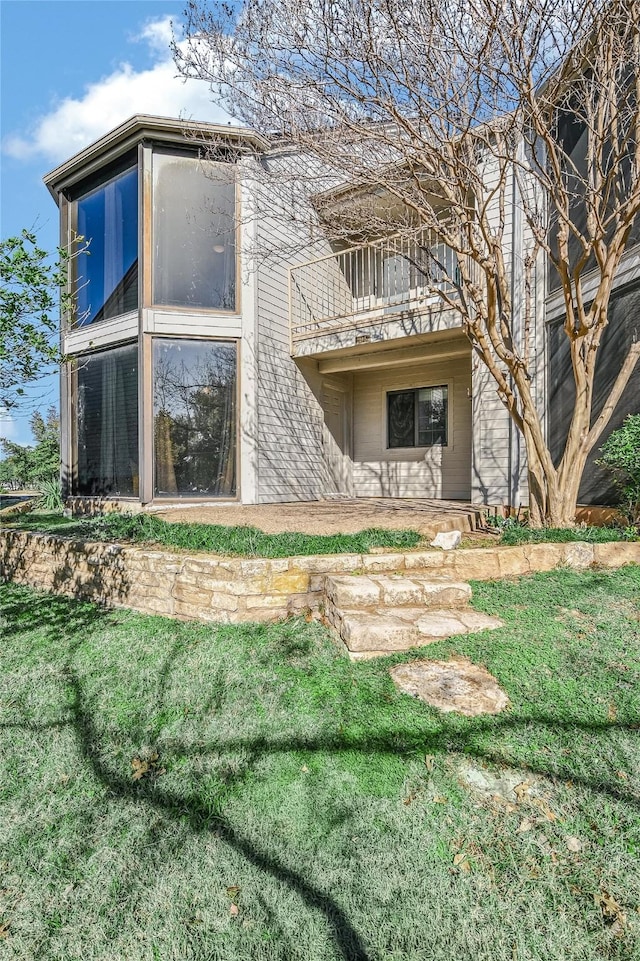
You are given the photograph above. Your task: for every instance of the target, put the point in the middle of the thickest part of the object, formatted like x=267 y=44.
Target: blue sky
x=70 y=71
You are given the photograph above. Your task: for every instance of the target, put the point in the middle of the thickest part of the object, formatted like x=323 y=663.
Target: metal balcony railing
x=361 y=284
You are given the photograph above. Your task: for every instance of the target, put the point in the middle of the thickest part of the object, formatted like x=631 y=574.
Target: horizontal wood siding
x=290 y=453
x=423 y=472
x=494 y=448
x=491 y=441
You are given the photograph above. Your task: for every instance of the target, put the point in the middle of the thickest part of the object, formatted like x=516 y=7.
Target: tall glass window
x=194 y=232
x=194 y=404
x=107 y=422
x=107 y=272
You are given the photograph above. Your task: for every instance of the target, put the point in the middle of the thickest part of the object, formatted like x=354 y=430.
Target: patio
x=348 y=516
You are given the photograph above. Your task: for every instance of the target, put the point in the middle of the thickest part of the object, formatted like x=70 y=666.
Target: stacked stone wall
x=232 y=590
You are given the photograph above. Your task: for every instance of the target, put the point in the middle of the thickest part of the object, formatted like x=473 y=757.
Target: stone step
x=374 y=633
x=389 y=590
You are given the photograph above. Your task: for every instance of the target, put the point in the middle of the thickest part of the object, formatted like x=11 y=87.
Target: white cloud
x=157 y=33
x=76 y=122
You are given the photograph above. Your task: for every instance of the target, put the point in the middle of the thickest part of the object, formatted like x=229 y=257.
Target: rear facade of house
x=221 y=350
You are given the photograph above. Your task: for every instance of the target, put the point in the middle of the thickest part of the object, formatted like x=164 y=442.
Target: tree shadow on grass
x=67 y=622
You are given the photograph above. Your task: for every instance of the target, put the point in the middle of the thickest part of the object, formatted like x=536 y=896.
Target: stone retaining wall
x=232 y=590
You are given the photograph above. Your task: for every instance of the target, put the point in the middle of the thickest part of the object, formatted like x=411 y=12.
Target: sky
x=71 y=70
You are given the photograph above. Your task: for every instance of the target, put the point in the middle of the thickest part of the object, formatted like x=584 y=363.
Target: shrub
x=50 y=494
x=621 y=454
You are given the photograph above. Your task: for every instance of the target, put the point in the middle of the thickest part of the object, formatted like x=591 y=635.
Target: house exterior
x=200 y=370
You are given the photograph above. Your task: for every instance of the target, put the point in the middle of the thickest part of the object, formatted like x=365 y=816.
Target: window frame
x=224 y=158
x=126 y=163
x=72 y=366
x=416 y=392
x=150 y=464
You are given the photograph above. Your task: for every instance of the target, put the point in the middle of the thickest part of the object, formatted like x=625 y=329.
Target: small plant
x=50 y=495
x=513 y=536
x=621 y=454
x=498 y=523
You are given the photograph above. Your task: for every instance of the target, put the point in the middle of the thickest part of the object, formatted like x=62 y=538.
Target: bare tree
x=462 y=114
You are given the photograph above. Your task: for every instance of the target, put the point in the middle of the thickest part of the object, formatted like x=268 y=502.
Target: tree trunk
x=553 y=494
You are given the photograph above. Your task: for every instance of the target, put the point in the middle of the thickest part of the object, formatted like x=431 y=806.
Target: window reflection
x=417 y=417
x=193 y=233
x=194 y=391
x=107 y=272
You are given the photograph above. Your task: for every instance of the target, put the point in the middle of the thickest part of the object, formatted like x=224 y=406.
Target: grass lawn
x=217 y=538
x=252 y=542
x=296 y=807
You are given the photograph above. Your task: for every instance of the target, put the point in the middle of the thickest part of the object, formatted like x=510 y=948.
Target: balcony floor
x=339 y=516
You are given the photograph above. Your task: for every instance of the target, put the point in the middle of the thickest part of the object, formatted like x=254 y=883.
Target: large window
x=106 y=274
x=106 y=395
x=194 y=229
x=194 y=403
x=417 y=417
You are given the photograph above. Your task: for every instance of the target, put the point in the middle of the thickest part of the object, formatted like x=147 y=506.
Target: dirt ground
x=333 y=517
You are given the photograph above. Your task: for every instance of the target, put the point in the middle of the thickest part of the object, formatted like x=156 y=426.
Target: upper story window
x=106 y=273
x=194 y=232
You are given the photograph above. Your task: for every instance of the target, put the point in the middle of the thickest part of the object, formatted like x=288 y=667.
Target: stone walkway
x=379 y=614
x=454 y=685
x=339 y=516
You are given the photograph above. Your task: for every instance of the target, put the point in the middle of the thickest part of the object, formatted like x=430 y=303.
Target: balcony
x=375 y=285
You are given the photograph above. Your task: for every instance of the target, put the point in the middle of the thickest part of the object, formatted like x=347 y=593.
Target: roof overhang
x=145 y=127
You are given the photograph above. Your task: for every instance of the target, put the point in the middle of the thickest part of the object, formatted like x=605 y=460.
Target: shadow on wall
x=597 y=485
x=95 y=572
x=490 y=476
x=399 y=478
x=392 y=478
x=299 y=454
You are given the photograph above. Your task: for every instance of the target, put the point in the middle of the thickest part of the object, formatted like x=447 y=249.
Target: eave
x=145 y=127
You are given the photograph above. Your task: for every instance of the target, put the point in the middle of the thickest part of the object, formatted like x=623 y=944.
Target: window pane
x=194 y=233
x=107 y=274
x=401 y=418
x=107 y=422
x=194 y=391
x=432 y=416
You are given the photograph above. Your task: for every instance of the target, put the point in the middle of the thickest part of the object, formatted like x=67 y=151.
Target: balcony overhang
x=372 y=333
x=146 y=127
x=423 y=348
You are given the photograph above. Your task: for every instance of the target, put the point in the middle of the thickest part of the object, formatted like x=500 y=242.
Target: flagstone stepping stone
x=508 y=785
x=453 y=685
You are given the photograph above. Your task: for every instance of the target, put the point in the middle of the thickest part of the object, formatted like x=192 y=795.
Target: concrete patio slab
x=340 y=516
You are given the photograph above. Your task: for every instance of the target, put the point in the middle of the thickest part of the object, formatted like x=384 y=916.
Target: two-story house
x=198 y=369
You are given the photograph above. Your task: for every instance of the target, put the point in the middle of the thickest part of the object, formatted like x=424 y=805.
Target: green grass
x=251 y=542
x=332 y=802
x=513 y=534
x=219 y=539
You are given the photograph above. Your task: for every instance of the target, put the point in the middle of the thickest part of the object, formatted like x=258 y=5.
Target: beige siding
x=423 y=472
x=491 y=441
x=296 y=459
x=304 y=440
x=497 y=456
